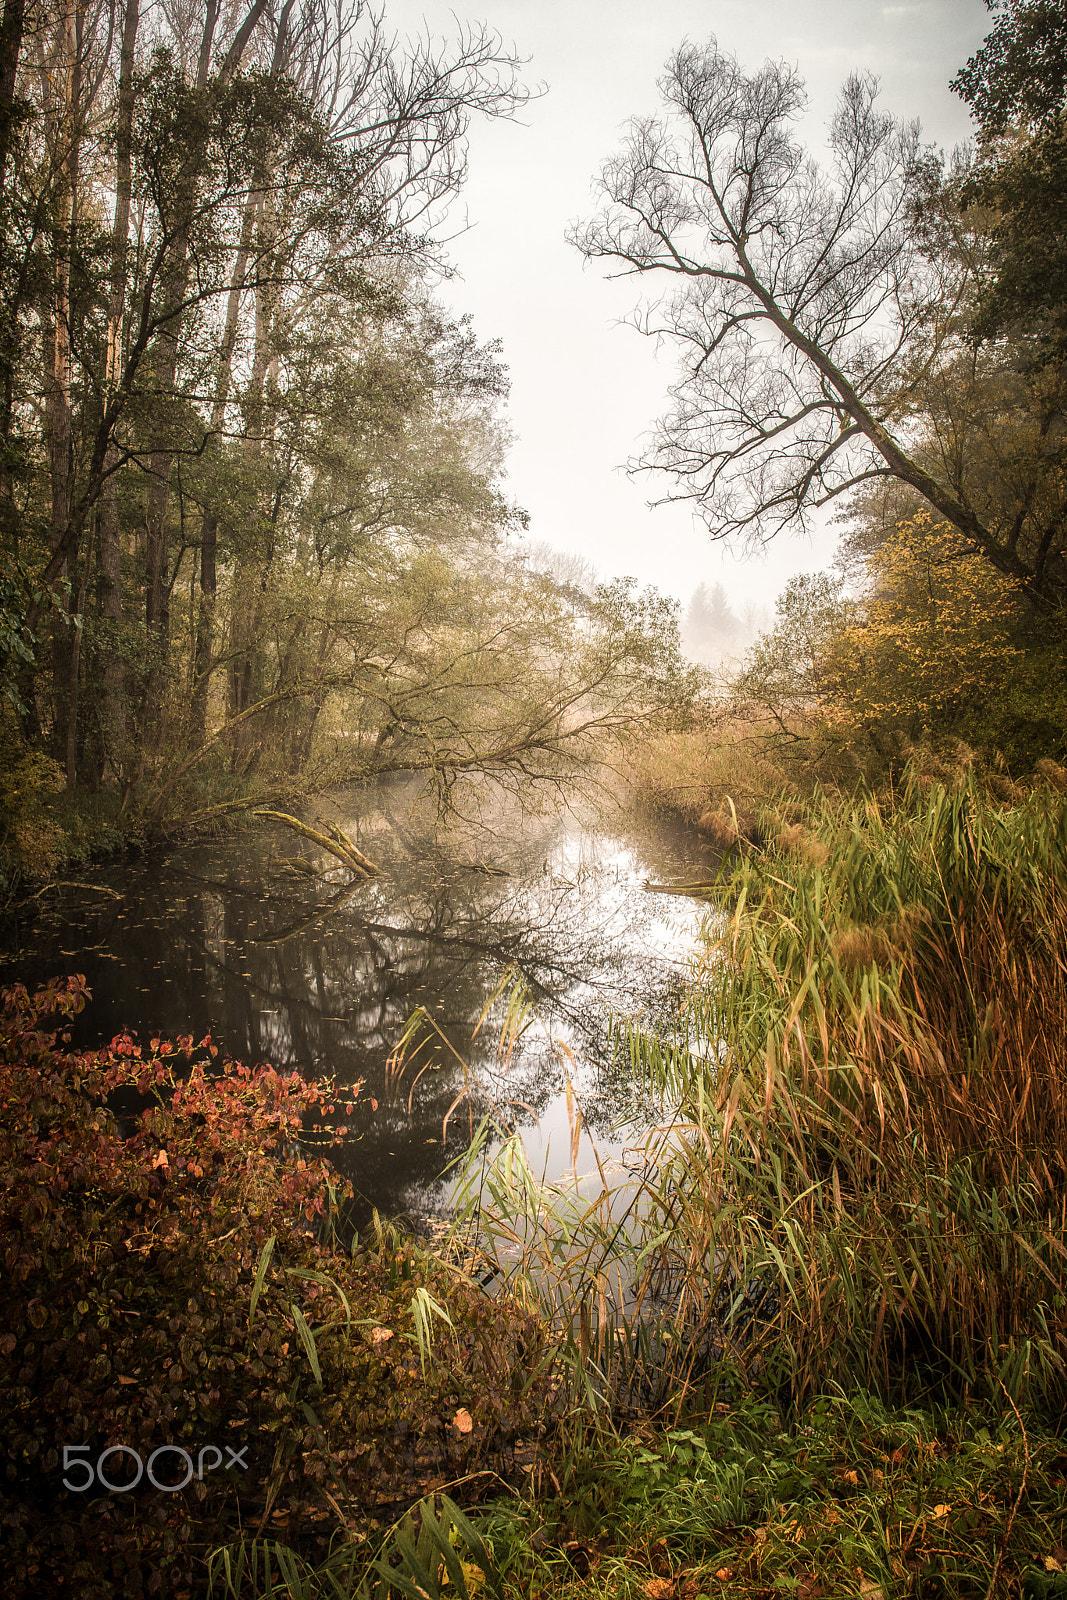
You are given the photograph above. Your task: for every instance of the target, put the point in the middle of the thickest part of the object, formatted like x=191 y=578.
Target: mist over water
x=315 y=973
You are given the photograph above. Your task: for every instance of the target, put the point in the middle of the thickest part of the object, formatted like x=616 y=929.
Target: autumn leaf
x=473 y=1577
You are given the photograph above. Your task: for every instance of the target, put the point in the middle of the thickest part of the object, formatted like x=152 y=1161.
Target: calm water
x=234 y=939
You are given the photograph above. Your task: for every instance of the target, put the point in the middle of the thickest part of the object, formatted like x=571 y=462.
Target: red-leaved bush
x=168 y=1280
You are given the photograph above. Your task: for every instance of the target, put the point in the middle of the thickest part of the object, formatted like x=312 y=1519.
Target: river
x=237 y=938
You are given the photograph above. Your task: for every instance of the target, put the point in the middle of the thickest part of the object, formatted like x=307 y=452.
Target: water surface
x=236 y=939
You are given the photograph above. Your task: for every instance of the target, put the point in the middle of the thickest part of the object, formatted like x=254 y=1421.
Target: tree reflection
x=320 y=975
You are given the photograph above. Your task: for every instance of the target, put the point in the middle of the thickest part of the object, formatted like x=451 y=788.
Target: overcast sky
x=584 y=388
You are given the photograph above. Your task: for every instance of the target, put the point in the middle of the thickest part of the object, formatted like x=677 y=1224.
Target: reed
x=860 y=1169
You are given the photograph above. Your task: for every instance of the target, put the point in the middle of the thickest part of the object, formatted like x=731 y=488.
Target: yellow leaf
x=473 y=1577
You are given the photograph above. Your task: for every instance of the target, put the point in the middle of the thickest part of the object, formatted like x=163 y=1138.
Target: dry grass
x=698 y=772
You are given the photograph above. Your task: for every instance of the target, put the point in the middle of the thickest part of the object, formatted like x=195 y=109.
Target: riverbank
x=724 y=774
x=824 y=1355
x=48 y=835
x=179 y=1301
x=189 y=1349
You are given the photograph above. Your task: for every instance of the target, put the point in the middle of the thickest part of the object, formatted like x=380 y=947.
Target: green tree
x=1016 y=88
x=184 y=232
x=792 y=677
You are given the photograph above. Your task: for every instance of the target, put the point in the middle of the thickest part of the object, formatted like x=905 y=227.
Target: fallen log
x=334 y=842
x=694 y=890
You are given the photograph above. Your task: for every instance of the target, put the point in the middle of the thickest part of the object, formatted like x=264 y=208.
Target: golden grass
x=861 y=1169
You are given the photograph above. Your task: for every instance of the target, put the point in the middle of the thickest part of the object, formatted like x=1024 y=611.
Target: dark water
x=233 y=939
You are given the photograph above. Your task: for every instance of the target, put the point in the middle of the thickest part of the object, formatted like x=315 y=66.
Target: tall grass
x=860 y=1173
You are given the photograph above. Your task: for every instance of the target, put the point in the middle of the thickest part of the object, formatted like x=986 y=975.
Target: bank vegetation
x=255 y=541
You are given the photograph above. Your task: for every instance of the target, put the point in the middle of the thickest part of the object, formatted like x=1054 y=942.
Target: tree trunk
x=157 y=587
x=245 y=685
x=114 y=702
x=11 y=32
x=57 y=398
x=205 y=622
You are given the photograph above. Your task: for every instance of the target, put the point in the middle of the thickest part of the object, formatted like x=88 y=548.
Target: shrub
x=172 y=1278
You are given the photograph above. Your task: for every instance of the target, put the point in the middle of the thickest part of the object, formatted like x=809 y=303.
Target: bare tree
x=811 y=314
x=568 y=569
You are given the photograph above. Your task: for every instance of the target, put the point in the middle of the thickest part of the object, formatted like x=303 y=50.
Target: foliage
x=230 y=407
x=1016 y=88
x=715 y=760
x=935 y=649
x=935 y=644
x=425 y=1556
x=847 y=1498
x=32 y=844
x=794 y=672
x=1020 y=73
x=1021 y=187
x=16 y=642
x=170 y=1279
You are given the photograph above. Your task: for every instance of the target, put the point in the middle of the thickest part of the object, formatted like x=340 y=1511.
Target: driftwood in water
x=694 y=890
x=334 y=841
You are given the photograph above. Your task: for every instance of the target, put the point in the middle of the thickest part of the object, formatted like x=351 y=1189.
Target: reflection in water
x=316 y=974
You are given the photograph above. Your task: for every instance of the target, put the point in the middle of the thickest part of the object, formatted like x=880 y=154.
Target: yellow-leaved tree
x=934 y=643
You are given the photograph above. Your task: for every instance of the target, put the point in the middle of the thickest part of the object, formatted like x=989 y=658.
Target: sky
x=585 y=387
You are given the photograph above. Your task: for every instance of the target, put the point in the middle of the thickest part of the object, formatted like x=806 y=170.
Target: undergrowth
x=850 y=1499
x=173 y=1287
